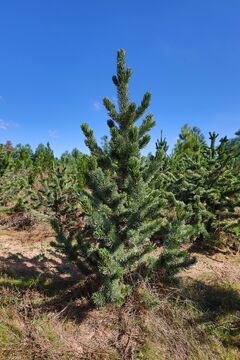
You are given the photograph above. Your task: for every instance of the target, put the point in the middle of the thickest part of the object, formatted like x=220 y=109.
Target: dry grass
x=46 y=312
x=179 y=325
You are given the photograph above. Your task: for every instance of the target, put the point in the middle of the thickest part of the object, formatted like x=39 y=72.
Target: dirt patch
x=28 y=253
x=219 y=267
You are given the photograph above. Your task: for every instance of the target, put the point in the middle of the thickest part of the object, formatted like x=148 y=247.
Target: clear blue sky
x=57 y=58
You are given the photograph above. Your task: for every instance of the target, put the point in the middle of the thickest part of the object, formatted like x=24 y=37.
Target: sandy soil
x=30 y=253
x=26 y=251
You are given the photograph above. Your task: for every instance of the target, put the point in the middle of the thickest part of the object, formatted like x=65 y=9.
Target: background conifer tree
x=234 y=144
x=207 y=183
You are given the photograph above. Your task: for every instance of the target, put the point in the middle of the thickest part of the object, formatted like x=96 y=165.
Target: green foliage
x=206 y=182
x=191 y=141
x=78 y=164
x=122 y=209
x=43 y=158
x=25 y=176
x=234 y=145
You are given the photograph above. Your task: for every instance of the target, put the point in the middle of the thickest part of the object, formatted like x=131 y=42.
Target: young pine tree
x=122 y=211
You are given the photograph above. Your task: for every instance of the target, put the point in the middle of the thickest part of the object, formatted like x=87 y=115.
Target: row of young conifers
x=121 y=216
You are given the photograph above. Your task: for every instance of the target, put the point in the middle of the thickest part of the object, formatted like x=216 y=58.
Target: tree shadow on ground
x=47 y=275
x=200 y=247
x=66 y=291
x=213 y=300
x=74 y=303
x=219 y=309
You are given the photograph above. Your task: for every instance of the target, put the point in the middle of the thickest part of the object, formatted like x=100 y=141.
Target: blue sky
x=57 y=58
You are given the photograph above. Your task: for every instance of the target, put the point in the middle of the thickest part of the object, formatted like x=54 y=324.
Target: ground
x=45 y=311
